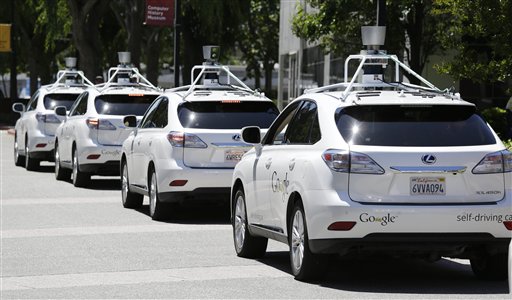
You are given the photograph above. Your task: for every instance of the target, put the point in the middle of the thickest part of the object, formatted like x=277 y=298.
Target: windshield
x=123 y=104
x=53 y=100
x=400 y=125
x=227 y=115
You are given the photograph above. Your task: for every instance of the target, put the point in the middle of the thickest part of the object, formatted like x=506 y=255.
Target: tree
x=87 y=19
x=213 y=22
x=481 y=33
x=259 y=40
x=411 y=27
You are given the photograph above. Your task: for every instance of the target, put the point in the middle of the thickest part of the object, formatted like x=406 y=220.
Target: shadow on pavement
x=393 y=275
x=194 y=214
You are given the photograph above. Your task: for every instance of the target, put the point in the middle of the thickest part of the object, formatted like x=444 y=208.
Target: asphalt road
x=58 y=241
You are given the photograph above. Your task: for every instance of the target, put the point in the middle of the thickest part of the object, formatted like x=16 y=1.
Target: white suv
x=89 y=141
x=188 y=142
x=35 y=129
x=407 y=171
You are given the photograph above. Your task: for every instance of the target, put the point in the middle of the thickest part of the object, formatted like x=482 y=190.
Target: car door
x=267 y=179
x=291 y=169
x=150 y=126
x=28 y=120
x=76 y=114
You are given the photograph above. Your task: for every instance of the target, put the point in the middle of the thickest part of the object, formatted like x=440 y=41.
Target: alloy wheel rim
x=297 y=240
x=239 y=223
x=26 y=154
x=57 y=161
x=75 y=167
x=16 y=154
x=124 y=184
x=152 y=195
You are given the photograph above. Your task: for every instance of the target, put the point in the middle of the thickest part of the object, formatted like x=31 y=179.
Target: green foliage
x=496 y=117
x=481 y=33
x=508 y=144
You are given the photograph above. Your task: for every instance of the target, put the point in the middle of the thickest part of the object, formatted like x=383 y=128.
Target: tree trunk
x=153 y=54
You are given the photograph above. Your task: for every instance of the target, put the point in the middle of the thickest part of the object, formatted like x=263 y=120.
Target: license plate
x=234 y=155
x=428 y=186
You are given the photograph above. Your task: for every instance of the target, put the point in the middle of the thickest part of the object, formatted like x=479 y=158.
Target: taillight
x=49 y=118
x=101 y=124
x=185 y=140
x=497 y=162
x=353 y=162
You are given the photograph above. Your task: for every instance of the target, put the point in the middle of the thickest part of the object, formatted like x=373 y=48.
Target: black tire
x=246 y=245
x=306 y=266
x=80 y=179
x=156 y=207
x=491 y=267
x=19 y=160
x=130 y=199
x=31 y=164
x=60 y=173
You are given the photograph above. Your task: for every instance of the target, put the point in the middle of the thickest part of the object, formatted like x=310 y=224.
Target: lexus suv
x=188 y=142
x=35 y=129
x=89 y=140
x=375 y=166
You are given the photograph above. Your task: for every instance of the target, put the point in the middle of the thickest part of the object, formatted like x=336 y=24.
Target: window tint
x=80 y=105
x=53 y=100
x=157 y=117
x=148 y=116
x=301 y=128
x=275 y=135
x=227 y=115
x=122 y=105
x=393 y=125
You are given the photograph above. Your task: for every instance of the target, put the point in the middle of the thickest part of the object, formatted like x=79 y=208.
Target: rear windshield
x=227 y=115
x=394 y=125
x=53 y=100
x=122 y=105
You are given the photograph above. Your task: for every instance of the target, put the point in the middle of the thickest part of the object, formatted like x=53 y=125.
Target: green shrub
x=497 y=118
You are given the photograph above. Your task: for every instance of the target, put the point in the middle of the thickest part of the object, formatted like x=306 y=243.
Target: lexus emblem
x=428 y=159
x=236 y=137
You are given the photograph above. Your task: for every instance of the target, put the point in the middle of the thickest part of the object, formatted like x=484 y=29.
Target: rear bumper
x=108 y=168
x=200 y=195
x=41 y=147
x=461 y=245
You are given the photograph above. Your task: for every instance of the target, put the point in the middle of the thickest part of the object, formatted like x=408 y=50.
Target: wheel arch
x=294 y=198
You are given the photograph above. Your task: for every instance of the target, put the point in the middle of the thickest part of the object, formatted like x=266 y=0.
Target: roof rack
x=125 y=75
x=211 y=71
x=372 y=63
x=69 y=78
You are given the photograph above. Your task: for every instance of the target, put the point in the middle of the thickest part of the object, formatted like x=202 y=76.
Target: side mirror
x=60 y=111
x=18 y=107
x=251 y=135
x=130 y=121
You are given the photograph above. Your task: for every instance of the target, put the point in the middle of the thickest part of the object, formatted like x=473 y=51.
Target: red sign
x=160 y=13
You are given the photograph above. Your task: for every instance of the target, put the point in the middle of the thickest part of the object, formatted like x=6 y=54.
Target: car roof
x=227 y=94
x=378 y=97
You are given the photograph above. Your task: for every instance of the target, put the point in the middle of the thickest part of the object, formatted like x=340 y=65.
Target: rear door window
x=227 y=114
x=53 y=100
x=414 y=126
x=124 y=104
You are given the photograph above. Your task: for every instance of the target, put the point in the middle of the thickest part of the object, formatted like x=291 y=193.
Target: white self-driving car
x=89 y=141
x=188 y=142
x=376 y=167
x=35 y=129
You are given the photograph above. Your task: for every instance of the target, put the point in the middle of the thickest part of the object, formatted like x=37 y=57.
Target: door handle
x=268 y=163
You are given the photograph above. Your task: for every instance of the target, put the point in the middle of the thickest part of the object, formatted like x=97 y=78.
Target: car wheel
x=130 y=199
x=31 y=164
x=60 y=173
x=80 y=179
x=246 y=245
x=306 y=266
x=19 y=160
x=156 y=208
x=490 y=267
